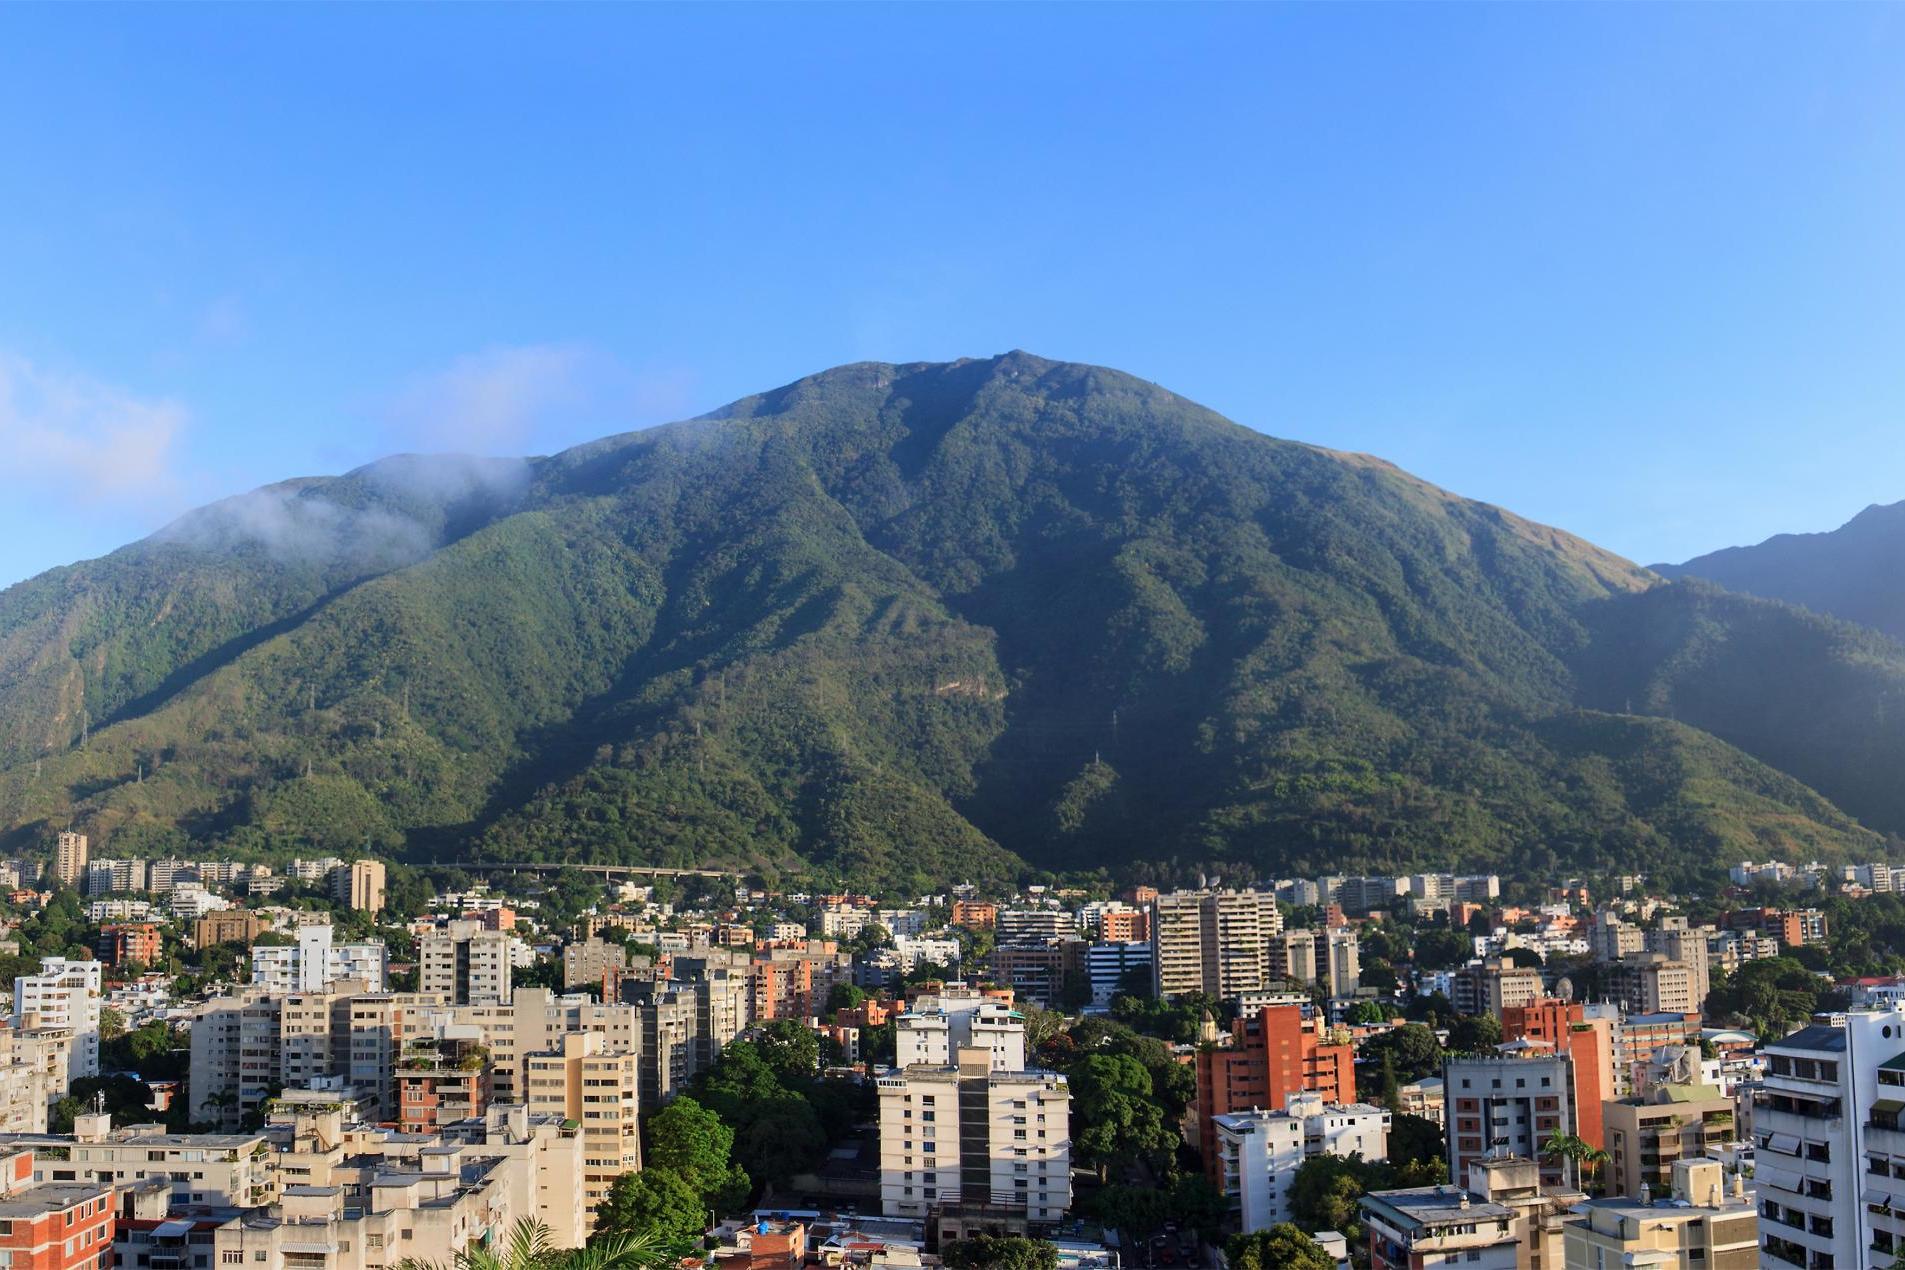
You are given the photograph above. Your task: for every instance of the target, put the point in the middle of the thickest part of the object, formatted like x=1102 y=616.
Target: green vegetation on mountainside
x=903 y=624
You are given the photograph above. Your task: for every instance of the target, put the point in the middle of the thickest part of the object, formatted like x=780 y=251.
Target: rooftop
x=50 y=1197
x=1818 y=1037
x=1436 y=1206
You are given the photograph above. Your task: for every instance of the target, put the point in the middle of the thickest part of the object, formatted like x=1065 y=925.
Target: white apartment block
x=1259 y=1152
x=65 y=994
x=313 y=961
x=967 y=1134
x=1032 y=925
x=934 y=1029
x=1829 y=1132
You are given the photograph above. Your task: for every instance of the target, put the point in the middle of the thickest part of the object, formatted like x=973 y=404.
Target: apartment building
x=1032 y=925
x=1435 y=1225
x=359 y=885
x=1564 y=1028
x=1689 y=945
x=1494 y=986
x=1829 y=1160
x=1647 y=1137
x=967 y=1136
x=107 y=877
x=70 y=851
x=442 y=1081
x=1215 y=942
x=228 y=926
x=1293 y=957
x=1108 y=965
x=1259 y=1151
x=465 y=963
x=1703 y=1222
x=1041 y=974
x=585 y=1081
x=1653 y=983
x=1508 y=1105
x=793 y=981
x=121 y=943
x=1341 y=954
x=1362 y=896
x=1611 y=937
x=589 y=963
x=312 y=960
x=974 y=914
x=1273 y=1055
x=64 y=995
x=28 y=1082
x=230 y=1169
x=936 y=1027
x=53 y=1225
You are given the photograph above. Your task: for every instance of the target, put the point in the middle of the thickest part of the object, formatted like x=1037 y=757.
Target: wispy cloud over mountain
x=100 y=440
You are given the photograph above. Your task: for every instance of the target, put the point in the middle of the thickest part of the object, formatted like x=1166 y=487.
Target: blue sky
x=1637 y=271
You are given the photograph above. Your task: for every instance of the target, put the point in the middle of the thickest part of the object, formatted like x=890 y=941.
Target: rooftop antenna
x=99 y=1102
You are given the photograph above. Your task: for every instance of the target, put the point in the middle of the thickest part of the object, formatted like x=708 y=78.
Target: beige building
x=1653 y=983
x=465 y=963
x=967 y=1135
x=586 y=1082
x=360 y=885
x=70 y=852
x=1216 y=942
x=1705 y=1224
x=1646 y=1138
x=234 y=1169
x=587 y=962
x=26 y=1084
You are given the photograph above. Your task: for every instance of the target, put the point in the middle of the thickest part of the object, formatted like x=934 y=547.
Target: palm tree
x=527 y=1247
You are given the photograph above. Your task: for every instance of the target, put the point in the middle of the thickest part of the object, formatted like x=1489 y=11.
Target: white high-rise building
x=968 y=1134
x=938 y=1027
x=1259 y=1152
x=314 y=961
x=65 y=994
x=1829 y=1138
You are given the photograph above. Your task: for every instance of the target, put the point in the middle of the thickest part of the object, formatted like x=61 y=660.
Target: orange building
x=1588 y=1044
x=974 y=914
x=500 y=918
x=1273 y=1054
x=1140 y=895
x=1125 y=927
x=55 y=1225
x=129 y=941
x=441 y=1084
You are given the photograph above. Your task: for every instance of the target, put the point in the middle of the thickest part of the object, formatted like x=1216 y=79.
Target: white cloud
x=495 y=400
x=97 y=440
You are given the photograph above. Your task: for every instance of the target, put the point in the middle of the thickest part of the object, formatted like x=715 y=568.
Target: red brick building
x=1273 y=1054
x=56 y=1225
x=1563 y=1028
x=974 y=914
x=129 y=941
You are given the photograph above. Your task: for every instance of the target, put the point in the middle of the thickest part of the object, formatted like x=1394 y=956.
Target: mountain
x=899 y=625
x=1855 y=572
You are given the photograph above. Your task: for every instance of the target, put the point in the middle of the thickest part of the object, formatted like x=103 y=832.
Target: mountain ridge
x=905 y=623
x=1855 y=572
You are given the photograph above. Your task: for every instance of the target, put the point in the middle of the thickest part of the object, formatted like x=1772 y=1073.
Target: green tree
x=1324 y=1193
x=1115 y=1119
x=1412 y=1048
x=656 y=1200
x=691 y=1140
x=1415 y=1139
x=844 y=996
x=1474 y=1033
x=1282 y=1247
x=790 y=1049
x=1000 y=1252
x=1365 y=1013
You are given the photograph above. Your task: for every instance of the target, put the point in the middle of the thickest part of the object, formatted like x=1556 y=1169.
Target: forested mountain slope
x=904 y=624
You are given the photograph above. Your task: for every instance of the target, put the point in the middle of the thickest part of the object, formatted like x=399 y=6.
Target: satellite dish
x=1564 y=988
